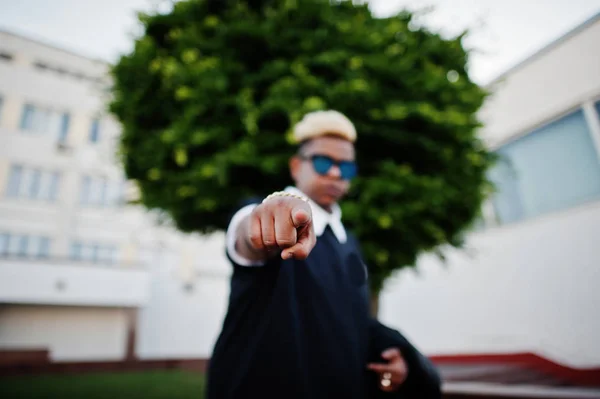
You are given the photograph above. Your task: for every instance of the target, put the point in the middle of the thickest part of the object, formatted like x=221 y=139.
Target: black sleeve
x=423 y=379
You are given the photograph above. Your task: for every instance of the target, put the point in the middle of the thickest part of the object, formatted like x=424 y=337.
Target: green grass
x=134 y=385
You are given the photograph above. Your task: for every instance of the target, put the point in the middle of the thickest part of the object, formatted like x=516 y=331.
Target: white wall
x=69 y=333
x=531 y=286
x=186 y=305
x=44 y=282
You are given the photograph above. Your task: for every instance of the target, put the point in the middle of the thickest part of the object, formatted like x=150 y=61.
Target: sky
x=503 y=32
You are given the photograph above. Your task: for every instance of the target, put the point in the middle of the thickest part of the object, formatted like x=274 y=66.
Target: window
x=117 y=193
x=64 y=127
x=95 y=131
x=99 y=191
x=32 y=183
x=21 y=245
x=44 y=121
x=103 y=187
x=93 y=252
x=552 y=168
x=14 y=181
x=86 y=188
x=53 y=186
x=38 y=247
x=4 y=237
x=5 y=56
x=43 y=247
x=597 y=107
x=75 y=253
x=24 y=245
x=27 y=117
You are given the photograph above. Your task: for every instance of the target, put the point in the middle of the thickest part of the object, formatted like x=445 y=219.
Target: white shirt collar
x=322 y=218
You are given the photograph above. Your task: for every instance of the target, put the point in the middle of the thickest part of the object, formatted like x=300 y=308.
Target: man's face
x=325 y=186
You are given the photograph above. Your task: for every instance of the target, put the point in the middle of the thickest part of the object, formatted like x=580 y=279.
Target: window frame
x=491 y=217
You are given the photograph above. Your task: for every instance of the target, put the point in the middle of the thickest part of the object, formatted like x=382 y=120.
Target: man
x=298 y=323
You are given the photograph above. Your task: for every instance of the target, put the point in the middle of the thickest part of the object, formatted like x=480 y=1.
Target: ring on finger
x=386 y=380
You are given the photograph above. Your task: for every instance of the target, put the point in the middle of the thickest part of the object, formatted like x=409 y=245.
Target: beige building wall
x=69 y=333
x=157 y=269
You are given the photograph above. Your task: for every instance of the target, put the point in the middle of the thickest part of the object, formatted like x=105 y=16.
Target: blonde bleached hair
x=324 y=123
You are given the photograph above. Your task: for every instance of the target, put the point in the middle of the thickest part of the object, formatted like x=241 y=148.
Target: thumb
x=300 y=217
x=391 y=354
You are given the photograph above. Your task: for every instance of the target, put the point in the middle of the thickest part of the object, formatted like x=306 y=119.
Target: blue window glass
x=76 y=250
x=43 y=247
x=4 y=241
x=552 y=168
x=53 y=186
x=23 y=245
x=95 y=131
x=27 y=117
x=64 y=127
x=34 y=185
x=14 y=181
x=102 y=199
x=86 y=187
x=95 y=253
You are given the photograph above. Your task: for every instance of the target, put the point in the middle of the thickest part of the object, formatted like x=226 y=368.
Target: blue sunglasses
x=322 y=164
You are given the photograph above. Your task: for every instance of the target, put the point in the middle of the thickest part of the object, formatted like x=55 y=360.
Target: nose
x=334 y=172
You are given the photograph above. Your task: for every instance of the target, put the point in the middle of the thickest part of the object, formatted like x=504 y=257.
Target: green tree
x=212 y=89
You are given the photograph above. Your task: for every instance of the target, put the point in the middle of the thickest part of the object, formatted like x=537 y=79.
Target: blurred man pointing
x=298 y=323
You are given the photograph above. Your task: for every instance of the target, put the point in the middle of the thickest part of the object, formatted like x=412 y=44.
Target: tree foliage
x=212 y=89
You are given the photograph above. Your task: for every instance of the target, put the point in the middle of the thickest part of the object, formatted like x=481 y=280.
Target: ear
x=294 y=164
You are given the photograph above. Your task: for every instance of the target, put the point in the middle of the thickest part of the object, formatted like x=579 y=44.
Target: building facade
x=527 y=279
x=79 y=267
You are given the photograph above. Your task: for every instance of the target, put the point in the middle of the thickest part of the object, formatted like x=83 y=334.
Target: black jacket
x=302 y=330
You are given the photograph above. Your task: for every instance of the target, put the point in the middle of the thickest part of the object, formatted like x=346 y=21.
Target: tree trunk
x=374 y=304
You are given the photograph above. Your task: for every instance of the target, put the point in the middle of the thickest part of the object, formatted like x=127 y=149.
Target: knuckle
x=256 y=212
x=269 y=242
x=256 y=241
x=285 y=242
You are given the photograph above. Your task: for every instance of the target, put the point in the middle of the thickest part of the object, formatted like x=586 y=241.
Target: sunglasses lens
x=348 y=170
x=322 y=164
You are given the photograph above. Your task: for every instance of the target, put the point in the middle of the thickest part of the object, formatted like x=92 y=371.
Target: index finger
x=304 y=245
x=380 y=367
x=300 y=216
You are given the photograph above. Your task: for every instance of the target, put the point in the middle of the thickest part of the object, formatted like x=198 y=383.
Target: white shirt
x=320 y=218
